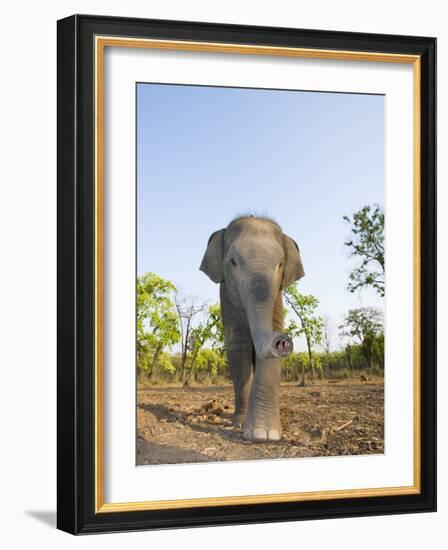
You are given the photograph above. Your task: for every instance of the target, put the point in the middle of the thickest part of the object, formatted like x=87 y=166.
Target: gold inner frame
x=101 y=42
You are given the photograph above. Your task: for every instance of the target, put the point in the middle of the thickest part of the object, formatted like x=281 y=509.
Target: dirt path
x=194 y=424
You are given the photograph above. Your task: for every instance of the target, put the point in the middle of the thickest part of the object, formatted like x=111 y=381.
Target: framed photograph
x=246 y=274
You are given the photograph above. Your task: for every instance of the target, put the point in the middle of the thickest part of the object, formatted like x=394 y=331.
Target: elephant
x=252 y=260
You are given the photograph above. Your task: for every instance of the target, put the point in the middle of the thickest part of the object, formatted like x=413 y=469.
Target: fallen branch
x=344 y=425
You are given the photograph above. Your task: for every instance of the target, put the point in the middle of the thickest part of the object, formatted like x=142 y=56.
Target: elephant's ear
x=212 y=261
x=293 y=269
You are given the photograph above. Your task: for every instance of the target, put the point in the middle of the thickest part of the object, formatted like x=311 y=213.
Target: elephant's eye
x=281 y=265
x=233 y=262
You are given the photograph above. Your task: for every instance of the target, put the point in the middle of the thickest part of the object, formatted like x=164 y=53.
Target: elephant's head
x=255 y=259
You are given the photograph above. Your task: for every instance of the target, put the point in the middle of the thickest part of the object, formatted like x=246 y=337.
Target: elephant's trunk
x=259 y=301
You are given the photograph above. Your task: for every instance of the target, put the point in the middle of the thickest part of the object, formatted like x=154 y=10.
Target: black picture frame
x=76 y=286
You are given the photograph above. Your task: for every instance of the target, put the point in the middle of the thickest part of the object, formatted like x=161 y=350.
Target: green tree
x=336 y=361
x=198 y=337
x=209 y=330
x=309 y=324
x=216 y=336
x=366 y=243
x=289 y=365
x=210 y=361
x=327 y=333
x=378 y=350
x=165 y=364
x=364 y=326
x=295 y=365
x=157 y=322
x=188 y=307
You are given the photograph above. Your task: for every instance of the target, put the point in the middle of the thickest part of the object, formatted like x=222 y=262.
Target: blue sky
x=207 y=154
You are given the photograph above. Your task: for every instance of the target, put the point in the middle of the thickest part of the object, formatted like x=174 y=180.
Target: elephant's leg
x=240 y=364
x=263 y=415
x=240 y=355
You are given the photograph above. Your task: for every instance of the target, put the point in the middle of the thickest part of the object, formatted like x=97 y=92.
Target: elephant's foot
x=238 y=420
x=263 y=429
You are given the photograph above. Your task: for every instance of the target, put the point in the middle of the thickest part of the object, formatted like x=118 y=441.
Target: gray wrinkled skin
x=253 y=260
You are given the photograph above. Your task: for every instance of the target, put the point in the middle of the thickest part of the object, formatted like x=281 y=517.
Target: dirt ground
x=193 y=424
